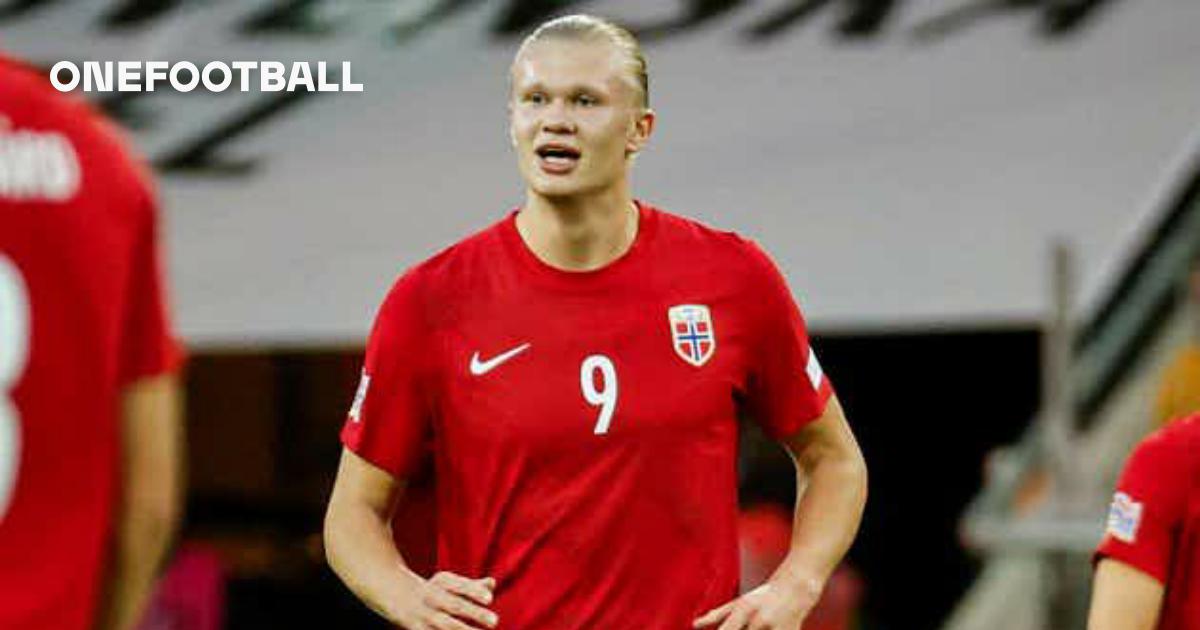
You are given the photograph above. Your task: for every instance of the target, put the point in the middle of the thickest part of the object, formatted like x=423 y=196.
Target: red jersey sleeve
x=1149 y=505
x=148 y=347
x=787 y=387
x=390 y=416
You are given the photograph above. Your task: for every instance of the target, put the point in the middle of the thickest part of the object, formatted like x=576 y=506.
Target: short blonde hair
x=592 y=28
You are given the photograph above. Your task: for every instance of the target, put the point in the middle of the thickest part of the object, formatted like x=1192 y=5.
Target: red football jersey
x=584 y=424
x=81 y=315
x=1154 y=521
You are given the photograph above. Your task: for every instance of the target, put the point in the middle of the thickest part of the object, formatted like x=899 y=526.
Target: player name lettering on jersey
x=37 y=165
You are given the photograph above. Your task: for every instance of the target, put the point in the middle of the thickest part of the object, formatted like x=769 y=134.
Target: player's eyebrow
x=530 y=87
x=573 y=88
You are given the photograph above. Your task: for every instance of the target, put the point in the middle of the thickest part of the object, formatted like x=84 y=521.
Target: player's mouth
x=557 y=159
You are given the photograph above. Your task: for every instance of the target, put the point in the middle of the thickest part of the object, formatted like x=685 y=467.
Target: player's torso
x=65 y=233
x=554 y=373
x=63 y=271
x=591 y=434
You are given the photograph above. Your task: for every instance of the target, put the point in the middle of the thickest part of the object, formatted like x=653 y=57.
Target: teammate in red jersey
x=579 y=367
x=89 y=428
x=1148 y=570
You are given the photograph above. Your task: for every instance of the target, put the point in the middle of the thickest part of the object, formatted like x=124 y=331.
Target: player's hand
x=772 y=606
x=448 y=601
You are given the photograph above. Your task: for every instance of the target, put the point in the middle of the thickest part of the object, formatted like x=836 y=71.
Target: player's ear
x=640 y=130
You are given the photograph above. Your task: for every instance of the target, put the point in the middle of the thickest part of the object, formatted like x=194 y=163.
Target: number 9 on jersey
x=606 y=396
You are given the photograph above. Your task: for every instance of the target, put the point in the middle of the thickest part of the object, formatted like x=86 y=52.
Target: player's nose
x=557 y=119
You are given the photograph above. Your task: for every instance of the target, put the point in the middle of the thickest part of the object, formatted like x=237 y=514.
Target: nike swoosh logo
x=479 y=368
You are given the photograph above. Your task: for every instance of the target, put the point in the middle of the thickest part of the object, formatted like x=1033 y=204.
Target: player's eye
x=587 y=100
x=536 y=98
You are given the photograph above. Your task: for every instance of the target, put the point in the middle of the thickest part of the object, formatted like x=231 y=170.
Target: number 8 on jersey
x=14 y=350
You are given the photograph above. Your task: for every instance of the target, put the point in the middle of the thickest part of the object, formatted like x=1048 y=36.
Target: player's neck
x=579 y=234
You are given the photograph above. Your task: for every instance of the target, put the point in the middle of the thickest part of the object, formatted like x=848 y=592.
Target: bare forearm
x=360 y=549
x=151 y=488
x=141 y=545
x=827 y=515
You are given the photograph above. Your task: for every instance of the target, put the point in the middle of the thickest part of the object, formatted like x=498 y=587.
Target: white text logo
x=185 y=76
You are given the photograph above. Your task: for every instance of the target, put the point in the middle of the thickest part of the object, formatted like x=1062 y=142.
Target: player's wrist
x=402 y=602
x=799 y=580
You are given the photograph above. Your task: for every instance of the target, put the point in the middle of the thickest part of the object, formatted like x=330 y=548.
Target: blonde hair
x=592 y=28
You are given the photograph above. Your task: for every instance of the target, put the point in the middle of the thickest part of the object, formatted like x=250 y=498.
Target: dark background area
x=926 y=407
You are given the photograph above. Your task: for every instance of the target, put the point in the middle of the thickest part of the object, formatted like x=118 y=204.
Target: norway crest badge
x=692 y=333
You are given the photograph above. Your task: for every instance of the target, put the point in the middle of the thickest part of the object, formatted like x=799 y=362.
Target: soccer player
x=1148 y=570
x=89 y=421
x=579 y=367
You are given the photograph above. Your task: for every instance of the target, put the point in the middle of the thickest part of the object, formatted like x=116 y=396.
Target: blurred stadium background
x=986 y=207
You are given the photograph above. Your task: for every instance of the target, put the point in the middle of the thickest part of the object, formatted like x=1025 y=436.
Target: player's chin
x=557 y=187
